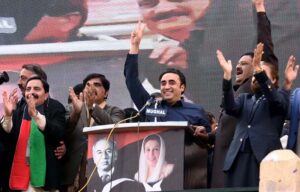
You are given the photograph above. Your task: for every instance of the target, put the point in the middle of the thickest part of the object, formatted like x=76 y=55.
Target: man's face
x=171 y=88
x=36 y=89
x=244 y=69
x=173 y=18
x=23 y=77
x=95 y=86
x=104 y=155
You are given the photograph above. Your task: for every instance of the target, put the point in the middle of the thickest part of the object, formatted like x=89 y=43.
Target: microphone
x=155 y=107
x=3 y=77
x=148 y=103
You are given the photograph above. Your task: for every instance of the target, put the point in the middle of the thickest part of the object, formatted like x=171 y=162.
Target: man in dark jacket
x=244 y=72
x=37 y=132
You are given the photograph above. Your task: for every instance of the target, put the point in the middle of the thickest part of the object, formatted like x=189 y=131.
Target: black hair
x=251 y=54
x=36 y=69
x=45 y=83
x=77 y=89
x=102 y=78
x=152 y=137
x=177 y=72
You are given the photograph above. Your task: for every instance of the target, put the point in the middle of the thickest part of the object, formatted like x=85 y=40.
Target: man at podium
x=172 y=108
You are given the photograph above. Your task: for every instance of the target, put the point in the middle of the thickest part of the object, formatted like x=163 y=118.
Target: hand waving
x=291 y=72
x=226 y=65
x=10 y=102
x=136 y=37
x=258 y=52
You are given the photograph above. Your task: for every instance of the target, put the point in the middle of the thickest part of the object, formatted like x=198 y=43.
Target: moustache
x=34 y=95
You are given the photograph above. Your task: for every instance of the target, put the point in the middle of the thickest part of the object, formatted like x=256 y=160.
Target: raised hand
x=258 y=52
x=76 y=102
x=31 y=103
x=259 y=5
x=170 y=55
x=10 y=102
x=136 y=37
x=291 y=72
x=89 y=94
x=225 y=65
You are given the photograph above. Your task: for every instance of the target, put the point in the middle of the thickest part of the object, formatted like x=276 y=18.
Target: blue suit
x=260 y=121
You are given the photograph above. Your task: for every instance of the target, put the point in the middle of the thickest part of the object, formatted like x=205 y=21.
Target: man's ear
x=182 y=88
x=106 y=95
x=46 y=96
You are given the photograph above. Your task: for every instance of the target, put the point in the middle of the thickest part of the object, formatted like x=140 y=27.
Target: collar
x=109 y=172
x=179 y=103
x=237 y=86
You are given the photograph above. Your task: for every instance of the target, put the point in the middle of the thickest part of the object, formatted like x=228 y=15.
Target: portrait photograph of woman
x=155 y=172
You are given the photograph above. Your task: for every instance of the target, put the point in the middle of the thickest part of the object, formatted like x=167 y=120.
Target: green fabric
x=37 y=156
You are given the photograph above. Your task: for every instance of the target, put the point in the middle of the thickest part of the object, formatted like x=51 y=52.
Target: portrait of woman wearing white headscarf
x=153 y=168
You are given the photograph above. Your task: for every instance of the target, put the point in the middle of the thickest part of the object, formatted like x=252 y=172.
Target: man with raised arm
x=37 y=132
x=243 y=75
x=260 y=118
x=172 y=86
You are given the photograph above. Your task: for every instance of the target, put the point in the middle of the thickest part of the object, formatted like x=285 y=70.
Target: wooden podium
x=134 y=148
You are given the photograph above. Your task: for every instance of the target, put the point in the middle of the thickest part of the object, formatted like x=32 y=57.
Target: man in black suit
x=260 y=118
x=244 y=72
x=45 y=119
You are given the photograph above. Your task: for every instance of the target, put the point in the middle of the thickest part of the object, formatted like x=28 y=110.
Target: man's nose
x=167 y=86
x=105 y=155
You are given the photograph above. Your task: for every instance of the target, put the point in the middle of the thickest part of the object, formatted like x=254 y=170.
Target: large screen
x=72 y=38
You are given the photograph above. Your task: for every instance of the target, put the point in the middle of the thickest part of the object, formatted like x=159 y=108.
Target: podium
x=145 y=156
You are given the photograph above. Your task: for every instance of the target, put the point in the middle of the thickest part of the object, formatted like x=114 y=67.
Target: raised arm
x=265 y=75
x=137 y=92
x=231 y=106
x=264 y=32
x=291 y=72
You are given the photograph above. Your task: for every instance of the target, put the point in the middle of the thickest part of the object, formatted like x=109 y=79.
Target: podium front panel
x=144 y=160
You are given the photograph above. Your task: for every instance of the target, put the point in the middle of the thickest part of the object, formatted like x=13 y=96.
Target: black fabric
x=245 y=162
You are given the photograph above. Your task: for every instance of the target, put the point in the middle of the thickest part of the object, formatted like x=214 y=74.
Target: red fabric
x=20 y=172
x=122 y=138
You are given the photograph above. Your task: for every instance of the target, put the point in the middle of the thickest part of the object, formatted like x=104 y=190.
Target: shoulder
x=112 y=108
x=167 y=169
x=192 y=106
x=55 y=105
x=245 y=96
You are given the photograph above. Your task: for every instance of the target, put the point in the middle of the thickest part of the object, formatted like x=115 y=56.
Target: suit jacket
x=53 y=133
x=260 y=118
x=76 y=141
x=227 y=123
x=223 y=138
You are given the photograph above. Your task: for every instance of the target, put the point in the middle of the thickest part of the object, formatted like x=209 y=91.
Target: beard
x=255 y=88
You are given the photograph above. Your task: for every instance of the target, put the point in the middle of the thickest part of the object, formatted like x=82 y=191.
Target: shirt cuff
x=226 y=85
x=7 y=123
x=261 y=77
